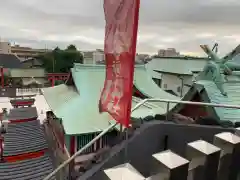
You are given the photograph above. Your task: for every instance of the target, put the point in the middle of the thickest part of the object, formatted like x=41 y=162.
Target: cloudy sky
x=183 y=24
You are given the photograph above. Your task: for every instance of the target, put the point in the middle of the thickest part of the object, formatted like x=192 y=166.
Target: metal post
x=53 y=81
x=121 y=133
x=167 y=111
x=126 y=147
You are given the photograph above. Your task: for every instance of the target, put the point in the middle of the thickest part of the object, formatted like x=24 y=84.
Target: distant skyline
x=181 y=24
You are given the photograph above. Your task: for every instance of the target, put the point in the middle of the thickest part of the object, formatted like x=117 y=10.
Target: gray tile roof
x=23 y=138
x=22 y=113
x=35 y=169
x=9 y=61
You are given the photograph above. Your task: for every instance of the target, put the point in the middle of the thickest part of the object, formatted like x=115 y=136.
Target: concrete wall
x=149 y=139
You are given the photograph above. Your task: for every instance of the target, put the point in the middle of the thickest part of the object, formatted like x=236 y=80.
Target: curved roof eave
x=67 y=103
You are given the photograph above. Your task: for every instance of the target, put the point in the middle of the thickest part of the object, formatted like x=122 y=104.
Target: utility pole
x=53 y=61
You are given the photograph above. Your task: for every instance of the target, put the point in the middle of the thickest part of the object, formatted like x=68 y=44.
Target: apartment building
x=5 y=48
x=169 y=52
x=26 y=52
x=22 y=52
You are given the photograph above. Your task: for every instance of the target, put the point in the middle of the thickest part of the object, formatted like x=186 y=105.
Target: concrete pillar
x=123 y=172
x=204 y=159
x=230 y=155
x=170 y=166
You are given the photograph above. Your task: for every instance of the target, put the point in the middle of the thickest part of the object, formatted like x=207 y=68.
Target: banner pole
x=126 y=146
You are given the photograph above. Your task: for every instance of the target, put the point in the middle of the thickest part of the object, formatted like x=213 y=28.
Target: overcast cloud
x=183 y=24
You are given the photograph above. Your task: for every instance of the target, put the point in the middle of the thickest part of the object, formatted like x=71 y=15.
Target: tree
x=71 y=47
x=60 y=61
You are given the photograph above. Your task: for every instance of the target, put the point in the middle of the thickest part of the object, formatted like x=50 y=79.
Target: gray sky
x=183 y=24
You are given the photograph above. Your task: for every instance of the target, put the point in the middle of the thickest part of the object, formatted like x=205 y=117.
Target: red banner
x=120 y=48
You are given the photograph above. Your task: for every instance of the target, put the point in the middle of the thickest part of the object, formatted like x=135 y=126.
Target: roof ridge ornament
x=217 y=67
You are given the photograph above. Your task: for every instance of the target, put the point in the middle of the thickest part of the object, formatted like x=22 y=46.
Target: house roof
x=9 y=61
x=177 y=65
x=78 y=107
x=36 y=62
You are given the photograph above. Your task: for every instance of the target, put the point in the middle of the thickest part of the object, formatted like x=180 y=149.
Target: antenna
x=215 y=47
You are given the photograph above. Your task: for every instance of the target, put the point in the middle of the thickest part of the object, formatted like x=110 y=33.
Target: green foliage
x=60 y=61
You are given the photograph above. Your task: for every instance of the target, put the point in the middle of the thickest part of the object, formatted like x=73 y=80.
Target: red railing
x=22 y=120
x=25 y=156
x=57 y=76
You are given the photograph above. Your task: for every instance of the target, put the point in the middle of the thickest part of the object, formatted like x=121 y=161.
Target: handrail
x=133 y=109
x=194 y=103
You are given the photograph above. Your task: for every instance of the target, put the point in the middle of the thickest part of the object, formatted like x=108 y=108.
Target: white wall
x=88 y=61
x=174 y=83
x=5 y=48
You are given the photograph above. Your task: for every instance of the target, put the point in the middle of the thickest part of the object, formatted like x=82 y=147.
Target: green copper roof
x=78 y=112
x=177 y=65
x=58 y=95
x=144 y=83
x=79 y=108
x=233 y=97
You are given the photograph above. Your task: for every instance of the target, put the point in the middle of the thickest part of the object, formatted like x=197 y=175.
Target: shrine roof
x=232 y=89
x=78 y=106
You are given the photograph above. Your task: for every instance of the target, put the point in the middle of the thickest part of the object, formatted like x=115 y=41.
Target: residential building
x=5 y=48
x=26 y=52
x=22 y=52
x=169 y=52
x=93 y=57
x=141 y=58
x=88 y=57
x=98 y=56
x=177 y=73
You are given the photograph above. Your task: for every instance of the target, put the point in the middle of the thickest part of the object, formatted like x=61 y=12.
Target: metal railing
x=27 y=91
x=133 y=109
